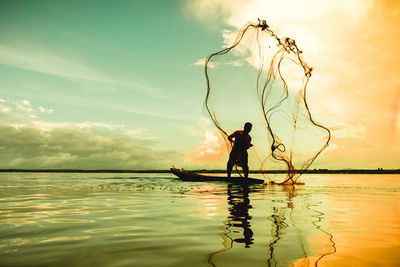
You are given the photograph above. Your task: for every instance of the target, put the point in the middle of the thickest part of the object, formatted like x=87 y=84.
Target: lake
x=108 y=219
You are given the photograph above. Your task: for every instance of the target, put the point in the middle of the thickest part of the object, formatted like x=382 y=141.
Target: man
x=238 y=154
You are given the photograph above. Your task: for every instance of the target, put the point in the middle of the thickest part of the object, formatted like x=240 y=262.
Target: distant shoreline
x=313 y=171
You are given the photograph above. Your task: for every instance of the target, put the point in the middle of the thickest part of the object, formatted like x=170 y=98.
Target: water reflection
x=294 y=233
x=304 y=222
x=238 y=221
x=159 y=221
x=239 y=205
x=318 y=218
x=237 y=227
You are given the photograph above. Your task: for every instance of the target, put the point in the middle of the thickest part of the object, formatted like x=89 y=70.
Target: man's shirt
x=242 y=140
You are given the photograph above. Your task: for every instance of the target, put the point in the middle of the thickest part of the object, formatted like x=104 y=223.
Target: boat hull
x=196 y=177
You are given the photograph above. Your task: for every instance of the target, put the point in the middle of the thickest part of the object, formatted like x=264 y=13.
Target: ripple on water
x=155 y=220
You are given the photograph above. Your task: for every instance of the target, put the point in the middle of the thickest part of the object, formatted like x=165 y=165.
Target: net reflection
x=279 y=225
x=318 y=218
x=296 y=224
x=285 y=228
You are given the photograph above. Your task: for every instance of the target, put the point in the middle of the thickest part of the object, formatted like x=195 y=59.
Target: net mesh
x=263 y=79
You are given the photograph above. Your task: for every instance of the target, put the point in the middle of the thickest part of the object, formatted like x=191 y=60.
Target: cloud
x=28 y=142
x=29 y=146
x=163 y=115
x=202 y=62
x=48 y=63
x=197 y=127
x=72 y=69
x=6 y=109
x=120 y=146
x=21 y=109
x=353 y=47
x=210 y=149
x=43 y=110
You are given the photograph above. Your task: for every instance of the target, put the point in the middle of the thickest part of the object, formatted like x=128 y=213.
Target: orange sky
x=354 y=49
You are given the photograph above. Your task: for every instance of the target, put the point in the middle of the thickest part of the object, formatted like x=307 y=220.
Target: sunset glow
x=71 y=69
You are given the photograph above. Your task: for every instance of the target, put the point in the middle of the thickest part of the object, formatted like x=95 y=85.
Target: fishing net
x=263 y=79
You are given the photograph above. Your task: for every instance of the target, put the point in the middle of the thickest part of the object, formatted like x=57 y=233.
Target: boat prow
x=196 y=177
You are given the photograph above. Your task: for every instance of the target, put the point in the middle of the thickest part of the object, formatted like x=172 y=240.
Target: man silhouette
x=238 y=154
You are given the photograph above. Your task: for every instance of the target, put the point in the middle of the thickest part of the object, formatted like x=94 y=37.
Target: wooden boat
x=196 y=177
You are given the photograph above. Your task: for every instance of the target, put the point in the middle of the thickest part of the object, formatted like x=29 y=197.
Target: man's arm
x=249 y=144
x=232 y=136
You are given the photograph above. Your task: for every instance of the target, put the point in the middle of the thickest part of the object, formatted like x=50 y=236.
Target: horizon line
x=316 y=171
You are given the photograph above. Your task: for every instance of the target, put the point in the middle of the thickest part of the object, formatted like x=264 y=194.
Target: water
x=61 y=219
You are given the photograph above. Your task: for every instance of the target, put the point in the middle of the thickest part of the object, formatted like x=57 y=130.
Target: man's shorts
x=238 y=157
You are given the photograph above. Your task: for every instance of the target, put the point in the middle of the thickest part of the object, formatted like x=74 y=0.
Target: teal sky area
x=127 y=63
x=121 y=85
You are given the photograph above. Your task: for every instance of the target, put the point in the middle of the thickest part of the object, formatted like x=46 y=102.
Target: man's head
x=247 y=127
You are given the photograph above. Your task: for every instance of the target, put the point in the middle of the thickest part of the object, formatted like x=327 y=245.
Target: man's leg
x=245 y=165
x=229 y=167
x=246 y=171
x=230 y=163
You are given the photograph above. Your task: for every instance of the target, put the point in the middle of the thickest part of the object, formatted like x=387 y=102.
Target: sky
x=121 y=85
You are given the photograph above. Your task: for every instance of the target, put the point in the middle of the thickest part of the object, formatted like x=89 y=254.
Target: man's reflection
x=292 y=219
x=238 y=199
x=239 y=205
